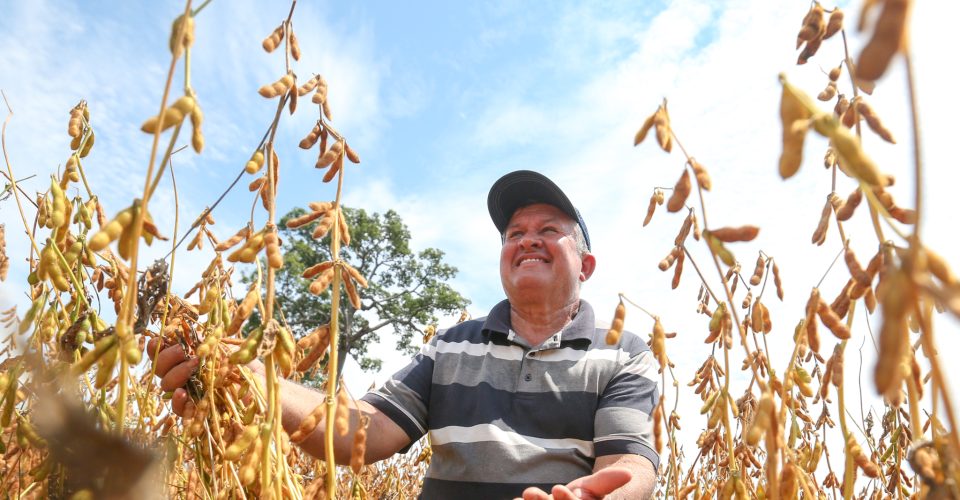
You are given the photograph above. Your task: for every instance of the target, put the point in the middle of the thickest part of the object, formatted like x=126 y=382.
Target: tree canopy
x=407 y=290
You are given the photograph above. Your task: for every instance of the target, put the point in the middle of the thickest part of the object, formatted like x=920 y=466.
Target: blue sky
x=440 y=99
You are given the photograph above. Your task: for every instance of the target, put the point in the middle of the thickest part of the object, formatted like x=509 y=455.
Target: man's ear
x=587 y=265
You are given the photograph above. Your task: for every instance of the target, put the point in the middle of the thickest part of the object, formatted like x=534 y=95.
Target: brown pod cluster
x=309 y=423
x=854 y=160
x=873 y=121
x=657 y=426
x=811 y=33
x=660 y=121
x=294 y=45
x=684 y=230
x=309 y=86
x=671 y=257
x=317 y=342
x=810 y=321
x=311 y=138
x=616 y=327
x=248 y=252
x=233 y=240
x=888 y=39
x=813 y=26
x=903 y=215
x=279 y=87
x=776 y=281
x=680 y=192
x=325 y=211
x=834 y=73
x=255 y=163
x=657 y=344
x=820 y=234
x=4 y=259
x=841 y=304
x=834 y=23
x=271 y=42
x=856 y=271
x=849 y=205
x=181 y=34
x=334 y=169
x=359 y=445
x=760 y=318
x=272 y=242
x=896 y=294
x=758 y=271
x=329 y=156
x=243 y=311
x=792 y=112
x=677 y=271
x=656 y=199
x=351 y=154
x=935 y=263
x=869 y=468
x=829 y=92
x=77 y=116
x=703 y=177
x=841 y=107
x=350 y=285
x=322 y=274
x=172 y=115
x=196 y=120
x=735 y=234
x=832 y=321
x=320 y=96
x=850 y=116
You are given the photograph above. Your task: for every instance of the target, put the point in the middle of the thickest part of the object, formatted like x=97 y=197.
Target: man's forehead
x=542 y=212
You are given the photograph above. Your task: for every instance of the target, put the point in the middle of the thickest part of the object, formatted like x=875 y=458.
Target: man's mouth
x=524 y=260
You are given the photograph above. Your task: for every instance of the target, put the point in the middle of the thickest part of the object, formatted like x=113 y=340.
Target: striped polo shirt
x=503 y=415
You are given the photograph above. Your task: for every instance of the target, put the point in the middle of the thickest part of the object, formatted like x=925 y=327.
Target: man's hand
x=174 y=369
x=594 y=486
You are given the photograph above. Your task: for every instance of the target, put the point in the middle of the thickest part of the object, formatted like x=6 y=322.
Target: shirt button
x=528 y=377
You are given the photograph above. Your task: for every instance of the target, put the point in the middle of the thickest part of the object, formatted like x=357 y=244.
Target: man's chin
x=531 y=285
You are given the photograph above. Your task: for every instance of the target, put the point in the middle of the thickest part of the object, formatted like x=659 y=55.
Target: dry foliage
x=770 y=439
x=81 y=415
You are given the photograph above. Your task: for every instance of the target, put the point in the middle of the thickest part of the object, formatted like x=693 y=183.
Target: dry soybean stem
x=333 y=357
x=926 y=336
x=702 y=278
x=825 y=273
x=638 y=306
x=125 y=318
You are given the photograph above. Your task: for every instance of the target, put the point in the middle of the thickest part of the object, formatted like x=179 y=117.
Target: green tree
x=407 y=290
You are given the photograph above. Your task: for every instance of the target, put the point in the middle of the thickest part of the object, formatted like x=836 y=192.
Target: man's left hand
x=594 y=486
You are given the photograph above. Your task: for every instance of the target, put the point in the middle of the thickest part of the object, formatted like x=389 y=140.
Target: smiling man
x=529 y=401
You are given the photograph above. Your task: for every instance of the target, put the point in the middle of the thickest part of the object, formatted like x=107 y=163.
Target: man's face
x=539 y=260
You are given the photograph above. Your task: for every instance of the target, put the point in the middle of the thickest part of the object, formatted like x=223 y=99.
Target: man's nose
x=530 y=241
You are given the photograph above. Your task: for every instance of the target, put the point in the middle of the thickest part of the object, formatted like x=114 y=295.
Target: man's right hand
x=174 y=369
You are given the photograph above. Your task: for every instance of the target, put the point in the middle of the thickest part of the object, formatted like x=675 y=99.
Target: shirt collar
x=583 y=325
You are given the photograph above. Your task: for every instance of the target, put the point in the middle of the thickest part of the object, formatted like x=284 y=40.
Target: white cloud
x=724 y=100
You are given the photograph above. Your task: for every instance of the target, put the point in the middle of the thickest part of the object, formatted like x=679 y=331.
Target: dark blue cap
x=526 y=187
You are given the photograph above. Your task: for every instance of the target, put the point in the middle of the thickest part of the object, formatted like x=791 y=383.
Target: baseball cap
x=526 y=187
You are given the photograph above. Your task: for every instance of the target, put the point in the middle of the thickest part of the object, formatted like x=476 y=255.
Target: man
x=526 y=401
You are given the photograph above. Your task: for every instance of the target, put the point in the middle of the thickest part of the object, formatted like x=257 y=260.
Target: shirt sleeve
x=623 y=422
x=405 y=396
